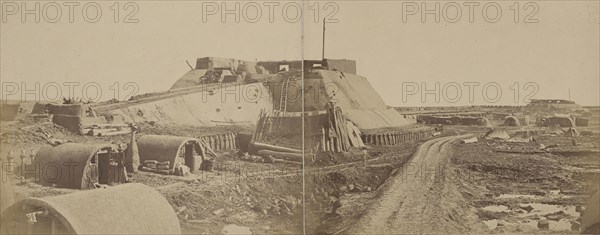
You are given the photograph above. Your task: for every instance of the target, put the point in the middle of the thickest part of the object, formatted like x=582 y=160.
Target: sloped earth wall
x=191 y=78
x=241 y=104
x=234 y=105
x=359 y=102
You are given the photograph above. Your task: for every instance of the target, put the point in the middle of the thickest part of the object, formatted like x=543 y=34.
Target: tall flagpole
x=323 y=53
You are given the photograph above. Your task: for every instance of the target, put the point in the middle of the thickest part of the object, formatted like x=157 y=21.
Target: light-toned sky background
x=558 y=53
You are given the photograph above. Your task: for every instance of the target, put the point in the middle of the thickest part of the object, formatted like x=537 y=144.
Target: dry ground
x=268 y=198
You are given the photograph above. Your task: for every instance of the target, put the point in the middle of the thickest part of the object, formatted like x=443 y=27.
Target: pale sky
x=559 y=52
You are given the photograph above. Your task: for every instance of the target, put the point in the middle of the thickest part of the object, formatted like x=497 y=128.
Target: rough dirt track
x=411 y=201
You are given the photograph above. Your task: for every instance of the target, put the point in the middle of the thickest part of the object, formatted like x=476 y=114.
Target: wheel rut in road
x=411 y=201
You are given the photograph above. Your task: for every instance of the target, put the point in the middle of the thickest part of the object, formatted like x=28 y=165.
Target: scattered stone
x=218 y=211
x=540 y=193
x=527 y=208
x=500 y=223
x=343 y=188
x=181 y=209
x=543 y=224
x=542 y=146
x=556 y=216
x=552 y=146
x=359 y=188
x=268 y=159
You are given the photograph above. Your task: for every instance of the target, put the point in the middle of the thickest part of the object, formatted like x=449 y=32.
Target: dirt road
x=417 y=199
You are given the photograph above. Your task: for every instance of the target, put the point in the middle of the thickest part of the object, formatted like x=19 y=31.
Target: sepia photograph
x=300 y=117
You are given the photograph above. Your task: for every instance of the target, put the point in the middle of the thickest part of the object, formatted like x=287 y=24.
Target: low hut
x=524 y=120
x=582 y=121
x=562 y=121
x=455 y=120
x=174 y=149
x=40 y=108
x=122 y=209
x=554 y=129
x=499 y=116
x=543 y=121
x=426 y=119
x=443 y=120
x=15 y=111
x=512 y=121
x=79 y=166
x=468 y=121
x=483 y=122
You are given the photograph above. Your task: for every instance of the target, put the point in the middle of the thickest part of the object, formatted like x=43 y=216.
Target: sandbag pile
x=163 y=168
x=105 y=129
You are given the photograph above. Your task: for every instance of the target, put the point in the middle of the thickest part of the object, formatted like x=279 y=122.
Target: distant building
x=552 y=105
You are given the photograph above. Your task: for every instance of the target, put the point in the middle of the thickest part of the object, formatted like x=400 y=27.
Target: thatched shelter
x=175 y=149
x=122 y=209
x=78 y=166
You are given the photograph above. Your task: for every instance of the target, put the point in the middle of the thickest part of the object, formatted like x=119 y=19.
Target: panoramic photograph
x=300 y=117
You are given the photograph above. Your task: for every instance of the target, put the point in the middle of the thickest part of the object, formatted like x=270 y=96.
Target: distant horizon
x=558 y=52
x=358 y=73
x=426 y=106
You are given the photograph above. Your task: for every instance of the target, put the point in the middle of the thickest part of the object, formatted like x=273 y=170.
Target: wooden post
x=219 y=142
x=53 y=226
